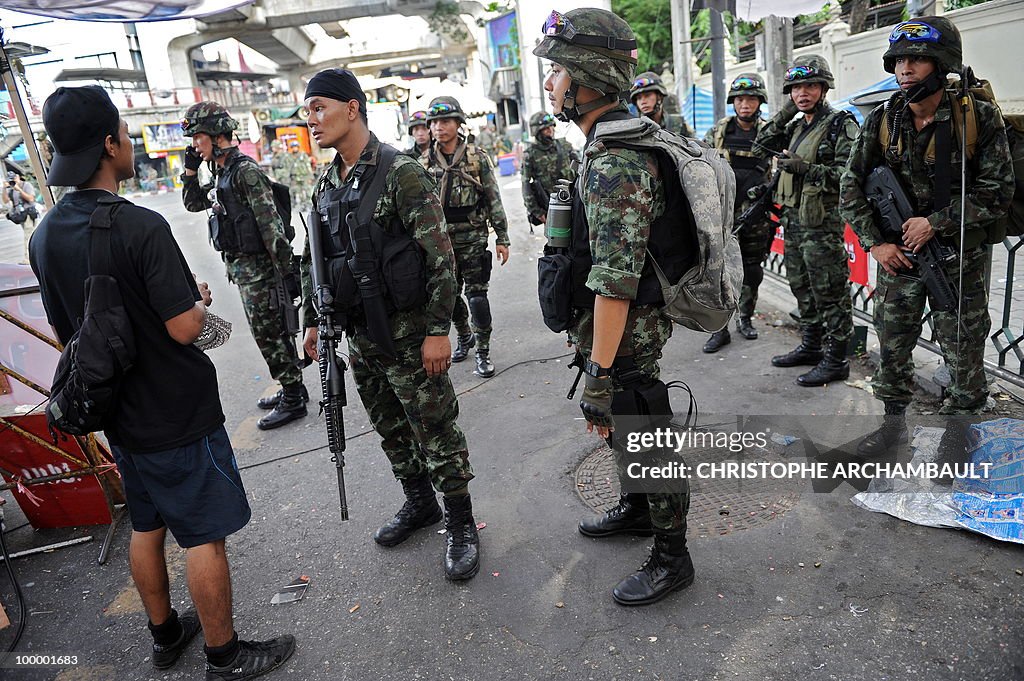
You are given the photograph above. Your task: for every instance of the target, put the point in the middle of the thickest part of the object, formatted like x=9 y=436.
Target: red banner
x=857 y=256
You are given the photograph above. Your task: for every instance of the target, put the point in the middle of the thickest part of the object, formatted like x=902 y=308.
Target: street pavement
x=820 y=589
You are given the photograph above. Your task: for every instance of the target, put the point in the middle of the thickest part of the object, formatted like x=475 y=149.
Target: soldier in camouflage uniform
x=409 y=398
x=246 y=227
x=280 y=164
x=617 y=327
x=468 y=189
x=420 y=130
x=302 y=177
x=544 y=162
x=648 y=95
x=816 y=146
x=921 y=53
x=733 y=136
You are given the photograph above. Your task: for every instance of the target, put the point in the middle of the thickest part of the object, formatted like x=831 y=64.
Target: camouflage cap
x=596 y=47
x=540 y=121
x=445 y=107
x=648 y=81
x=750 y=84
x=416 y=118
x=934 y=37
x=810 y=68
x=208 y=117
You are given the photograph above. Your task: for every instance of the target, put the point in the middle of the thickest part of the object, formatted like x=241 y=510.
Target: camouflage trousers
x=755 y=241
x=415 y=415
x=899 y=308
x=818 y=271
x=259 y=301
x=645 y=336
x=472 y=271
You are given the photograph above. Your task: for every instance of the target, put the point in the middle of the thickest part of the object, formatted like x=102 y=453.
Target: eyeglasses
x=558 y=25
x=643 y=82
x=801 y=71
x=442 y=108
x=745 y=84
x=216 y=206
x=915 y=32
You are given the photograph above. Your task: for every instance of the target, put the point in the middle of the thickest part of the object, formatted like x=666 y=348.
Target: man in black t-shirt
x=167 y=433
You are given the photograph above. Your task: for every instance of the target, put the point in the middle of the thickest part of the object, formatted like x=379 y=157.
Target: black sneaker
x=255 y=658
x=164 y=656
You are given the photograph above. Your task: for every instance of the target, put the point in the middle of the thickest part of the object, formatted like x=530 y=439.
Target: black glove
x=597 y=401
x=192 y=158
x=291 y=286
x=794 y=164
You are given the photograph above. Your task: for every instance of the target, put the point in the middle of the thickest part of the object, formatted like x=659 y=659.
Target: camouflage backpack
x=705 y=297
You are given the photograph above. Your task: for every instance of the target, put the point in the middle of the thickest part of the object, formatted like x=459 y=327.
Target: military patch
x=606 y=184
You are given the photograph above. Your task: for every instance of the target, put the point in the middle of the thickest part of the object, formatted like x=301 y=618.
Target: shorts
x=194 y=491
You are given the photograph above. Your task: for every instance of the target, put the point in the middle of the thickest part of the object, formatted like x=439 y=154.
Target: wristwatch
x=592 y=368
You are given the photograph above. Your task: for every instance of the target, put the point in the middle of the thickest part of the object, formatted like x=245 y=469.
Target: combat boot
x=833 y=366
x=745 y=328
x=290 y=407
x=891 y=434
x=808 y=353
x=271 y=402
x=461 y=352
x=462 y=552
x=667 y=569
x=718 y=340
x=631 y=516
x=419 y=510
x=484 y=365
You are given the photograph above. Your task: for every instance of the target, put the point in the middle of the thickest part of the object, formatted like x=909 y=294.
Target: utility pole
x=778 y=53
x=717 y=57
x=681 y=53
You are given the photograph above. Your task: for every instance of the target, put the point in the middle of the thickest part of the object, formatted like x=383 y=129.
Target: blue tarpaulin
x=887 y=84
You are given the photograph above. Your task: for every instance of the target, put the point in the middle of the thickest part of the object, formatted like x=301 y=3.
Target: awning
x=123 y=10
x=108 y=75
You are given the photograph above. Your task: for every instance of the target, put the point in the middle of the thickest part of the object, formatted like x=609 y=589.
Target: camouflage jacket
x=300 y=168
x=409 y=197
x=544 y=164
x=280 y=167
x=252 y=187
x=622 y=195
x=989 y=172
x=470 y=184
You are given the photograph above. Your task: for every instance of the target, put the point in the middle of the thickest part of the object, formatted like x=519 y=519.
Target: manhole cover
x=717 y=506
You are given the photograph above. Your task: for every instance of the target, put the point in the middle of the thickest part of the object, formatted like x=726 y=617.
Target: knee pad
x=480 y=309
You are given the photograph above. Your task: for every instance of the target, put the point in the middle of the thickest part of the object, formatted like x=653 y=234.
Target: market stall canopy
x=123 y=10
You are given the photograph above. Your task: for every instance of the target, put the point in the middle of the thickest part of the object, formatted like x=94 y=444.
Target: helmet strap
x=926 y=88
x=752 y=117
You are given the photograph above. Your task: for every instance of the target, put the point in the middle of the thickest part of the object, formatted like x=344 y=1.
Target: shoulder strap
x=368 y=201
x=99 y=237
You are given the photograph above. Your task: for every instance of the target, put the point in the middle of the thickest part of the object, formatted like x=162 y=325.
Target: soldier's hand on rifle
x=793 y=163
x=917 y=232
x=502 y=252
x=436 y=353
x=541 y=218
x=891 y=258
x=192 y=160
x=309 y=343
x=597 y=405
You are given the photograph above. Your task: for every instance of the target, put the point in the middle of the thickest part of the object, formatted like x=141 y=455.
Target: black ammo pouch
x=554 y=289
x=641 y=405
x=403 y=268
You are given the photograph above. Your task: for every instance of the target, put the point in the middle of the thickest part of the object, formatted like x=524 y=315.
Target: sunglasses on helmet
x=915 y=32
x=744 y=84
x=642 y=82
x=546 y=120
x=801 y=71
x=558 y=26
x=418 y=116
x=441 y=108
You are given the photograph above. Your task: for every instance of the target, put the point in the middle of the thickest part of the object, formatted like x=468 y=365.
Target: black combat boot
x=461 y=352
x=462 y=553
x=631 y=516
x=891 y=434
x=952 y=447
x=419 y=510
x=745 y=328
x=667 y=568
x=290 y=407
x=718 y=340
x=271 y=402
x=808 y=353
x=833 y=366
x=484 y=365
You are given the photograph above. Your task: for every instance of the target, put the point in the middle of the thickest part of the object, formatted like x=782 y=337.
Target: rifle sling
x=368 y=201
x=943 y=137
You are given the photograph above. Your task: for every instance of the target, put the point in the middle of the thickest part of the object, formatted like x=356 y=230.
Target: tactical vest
x=460 y=185
x=748 y=167
x=793 y=192
x=234 y=229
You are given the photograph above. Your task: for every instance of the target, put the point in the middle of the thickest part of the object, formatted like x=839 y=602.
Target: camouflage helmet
x=934 y=37
x=648 y=81
x=208 y=117
x=810 y=68
x=445 y=107
x=539 y=121
x=416 y=118
x=596 y=47
x=749 y=84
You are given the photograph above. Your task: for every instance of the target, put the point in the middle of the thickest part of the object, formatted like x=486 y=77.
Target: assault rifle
x=542 y=198
x=761 y=207
x=286 y=307
x=892 y=209
x=330 y=324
